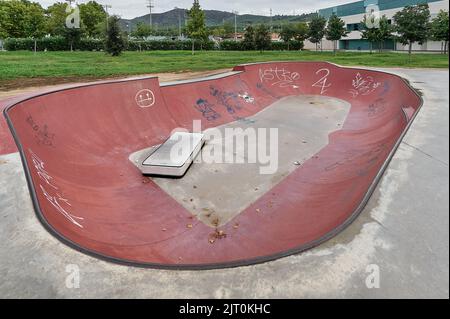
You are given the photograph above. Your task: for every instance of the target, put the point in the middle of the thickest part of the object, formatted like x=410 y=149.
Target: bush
x=135 y=45
x=49 y=44
x=283 y=46
x=61 y=44
x=231 y=45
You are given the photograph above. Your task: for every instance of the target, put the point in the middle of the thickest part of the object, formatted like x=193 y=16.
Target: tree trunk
x=35 y=45
x=193 y=47
x=335 y=47
x=371 y=47
x=445 y=47
x=410 y=51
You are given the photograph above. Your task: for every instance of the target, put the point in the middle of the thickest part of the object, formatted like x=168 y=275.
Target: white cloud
x=135 y=8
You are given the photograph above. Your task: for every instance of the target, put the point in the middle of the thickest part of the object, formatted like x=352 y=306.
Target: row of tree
x=25 y=19
x=410 y=25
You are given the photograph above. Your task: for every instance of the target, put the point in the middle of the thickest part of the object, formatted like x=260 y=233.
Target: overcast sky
x=133 y=8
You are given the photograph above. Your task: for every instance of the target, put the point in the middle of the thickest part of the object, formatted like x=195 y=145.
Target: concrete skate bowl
x=76 y=143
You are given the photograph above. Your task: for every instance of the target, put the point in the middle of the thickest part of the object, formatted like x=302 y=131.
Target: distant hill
x=175 y=17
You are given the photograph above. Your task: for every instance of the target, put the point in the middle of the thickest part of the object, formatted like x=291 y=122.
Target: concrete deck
x=404 y=232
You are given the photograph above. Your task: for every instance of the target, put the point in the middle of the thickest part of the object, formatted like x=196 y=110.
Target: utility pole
x=106 y=7
x=271 y=20
x=179 y=25
x=150 y=6
x=235 y=25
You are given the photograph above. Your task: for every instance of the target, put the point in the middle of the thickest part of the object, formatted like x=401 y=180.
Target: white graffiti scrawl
x=279 y=77
x=40 y=169
x=57 y=201
x=363 y=86
x=323 y=83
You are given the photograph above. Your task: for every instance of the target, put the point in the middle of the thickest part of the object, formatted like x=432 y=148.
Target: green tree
x=439 y=29
x=335 y=31
x=249 y=38
x=57 y=24
x=287 y=33
x=142 y=31
x=114 y=42
x=376 y=33
x=218 y=32
x=93 y=16
x=228 y=28
x=301 y=31
x=317 y=30
x=262 y=37
x=14 y=18
x=73 y=36
x=196 y=27
x=35 y=22
x=3 y=19
x=413 y=25
x=56 y=21
x=369 y=32
x=384 y=32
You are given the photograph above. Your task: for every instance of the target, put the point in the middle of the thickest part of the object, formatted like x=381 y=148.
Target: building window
x=354 y=27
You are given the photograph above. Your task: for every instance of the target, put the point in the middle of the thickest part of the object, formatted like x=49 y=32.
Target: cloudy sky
x=134 y=8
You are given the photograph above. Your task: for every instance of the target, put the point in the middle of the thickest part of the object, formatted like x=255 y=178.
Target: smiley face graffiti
x=145 y=98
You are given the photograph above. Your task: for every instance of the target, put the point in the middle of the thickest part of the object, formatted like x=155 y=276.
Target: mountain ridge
x=178 y=16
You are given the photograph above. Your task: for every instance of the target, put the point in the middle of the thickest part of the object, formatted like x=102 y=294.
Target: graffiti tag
x=279 y=77
x=230 y=100
x=207 y=110
x=363 y=86
x=41 y=132
x=323 y=81
x=54 y=198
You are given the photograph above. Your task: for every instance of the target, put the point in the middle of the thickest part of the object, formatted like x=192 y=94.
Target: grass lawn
x=18 y=65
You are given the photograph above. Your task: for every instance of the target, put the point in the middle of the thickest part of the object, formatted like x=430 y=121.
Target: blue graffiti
x=207 y=110
x=228 y=99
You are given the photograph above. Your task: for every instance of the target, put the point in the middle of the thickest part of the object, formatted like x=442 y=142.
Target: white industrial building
x=353 y=14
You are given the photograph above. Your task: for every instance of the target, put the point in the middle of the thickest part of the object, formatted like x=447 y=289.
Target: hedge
x=168 y=45
x=61 y=44
x=229 y=45
x=52 y=44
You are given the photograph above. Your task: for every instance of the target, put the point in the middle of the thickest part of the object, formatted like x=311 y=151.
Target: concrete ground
x=402 y=235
